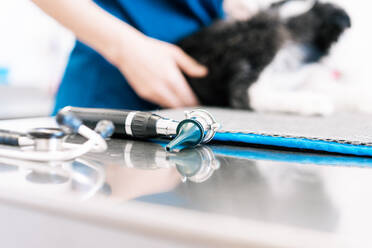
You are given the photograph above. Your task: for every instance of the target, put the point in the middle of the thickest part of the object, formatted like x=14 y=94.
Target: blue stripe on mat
x=293 y=157
x=290 y=157
x=300 y=143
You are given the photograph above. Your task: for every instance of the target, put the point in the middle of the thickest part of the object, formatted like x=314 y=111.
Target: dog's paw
x=364 y=103
x=263 y=99
x=316 y=105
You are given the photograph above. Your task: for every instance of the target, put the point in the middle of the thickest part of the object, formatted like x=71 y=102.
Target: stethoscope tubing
x=95 y=143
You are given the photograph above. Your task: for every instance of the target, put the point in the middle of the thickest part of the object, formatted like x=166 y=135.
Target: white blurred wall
x=33 y=47
x=33 y=53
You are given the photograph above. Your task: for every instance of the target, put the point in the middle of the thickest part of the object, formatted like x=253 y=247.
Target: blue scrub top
x=91 y=81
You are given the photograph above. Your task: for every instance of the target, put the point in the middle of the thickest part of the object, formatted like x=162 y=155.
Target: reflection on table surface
x=316 y=191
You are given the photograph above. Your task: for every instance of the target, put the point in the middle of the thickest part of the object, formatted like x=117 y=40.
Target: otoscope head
x=198 y=127
x=189 y=133
x=196 y=165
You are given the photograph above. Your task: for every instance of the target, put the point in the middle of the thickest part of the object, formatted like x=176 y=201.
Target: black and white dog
x=250 y=61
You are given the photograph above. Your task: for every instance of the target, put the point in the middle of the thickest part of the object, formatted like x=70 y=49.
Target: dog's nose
x=343 y=21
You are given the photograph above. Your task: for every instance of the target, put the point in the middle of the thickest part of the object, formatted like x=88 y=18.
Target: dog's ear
x=292 y=8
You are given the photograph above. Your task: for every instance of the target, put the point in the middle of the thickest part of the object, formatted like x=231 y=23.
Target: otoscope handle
x=130 y=123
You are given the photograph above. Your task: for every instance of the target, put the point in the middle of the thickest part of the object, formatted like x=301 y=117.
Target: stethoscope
x=95 y=125
x=50 y=144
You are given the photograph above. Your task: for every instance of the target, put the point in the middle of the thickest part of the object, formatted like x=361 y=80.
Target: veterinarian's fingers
x=189 y=65
x=165 y=97
x=182 y=89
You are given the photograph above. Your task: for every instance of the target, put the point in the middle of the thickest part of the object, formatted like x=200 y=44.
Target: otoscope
x=198 y=127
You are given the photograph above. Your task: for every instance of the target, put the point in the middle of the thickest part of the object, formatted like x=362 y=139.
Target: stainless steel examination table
x=137 y=195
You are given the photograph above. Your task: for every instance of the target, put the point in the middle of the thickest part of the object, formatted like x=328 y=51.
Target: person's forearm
x=91 y=25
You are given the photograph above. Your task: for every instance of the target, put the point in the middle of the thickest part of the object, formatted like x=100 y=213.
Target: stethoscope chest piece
x=47 y=139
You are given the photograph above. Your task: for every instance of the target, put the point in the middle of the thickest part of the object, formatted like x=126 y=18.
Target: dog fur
x=236 y=53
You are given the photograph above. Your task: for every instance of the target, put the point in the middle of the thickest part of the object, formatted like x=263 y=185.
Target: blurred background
x=33 y=53
x=34 y=50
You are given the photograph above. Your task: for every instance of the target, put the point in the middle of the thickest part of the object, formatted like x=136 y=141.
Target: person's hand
x=154 y=70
